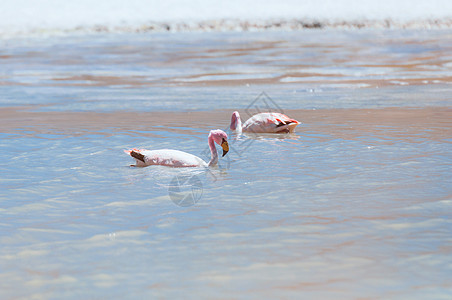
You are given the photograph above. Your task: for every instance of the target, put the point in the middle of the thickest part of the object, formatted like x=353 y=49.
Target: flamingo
x=178 y=159
x=270 y=122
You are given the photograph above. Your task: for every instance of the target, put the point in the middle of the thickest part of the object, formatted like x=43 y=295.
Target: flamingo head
x=221 y=138
x=235 y=119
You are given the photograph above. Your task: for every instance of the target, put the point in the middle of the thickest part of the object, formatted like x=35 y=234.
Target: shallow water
x=355 y=204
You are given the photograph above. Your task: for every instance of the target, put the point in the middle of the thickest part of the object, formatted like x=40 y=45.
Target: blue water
x=355 y=204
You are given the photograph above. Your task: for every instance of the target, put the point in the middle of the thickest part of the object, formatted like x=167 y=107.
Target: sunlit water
x=355 y=204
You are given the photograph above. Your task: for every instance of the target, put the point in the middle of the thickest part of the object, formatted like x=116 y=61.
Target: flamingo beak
x=225 y=147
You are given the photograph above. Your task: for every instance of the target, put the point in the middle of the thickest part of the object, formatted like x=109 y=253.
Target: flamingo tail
x=286 y=122
x=135 y=154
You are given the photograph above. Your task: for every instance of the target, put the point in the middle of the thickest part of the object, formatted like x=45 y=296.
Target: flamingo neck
x=237 y=124
x=213 y=151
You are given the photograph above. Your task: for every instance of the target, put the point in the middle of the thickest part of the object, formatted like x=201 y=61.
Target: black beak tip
x=224 y=153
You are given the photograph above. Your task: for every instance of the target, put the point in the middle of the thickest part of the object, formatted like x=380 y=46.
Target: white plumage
x=180 y=159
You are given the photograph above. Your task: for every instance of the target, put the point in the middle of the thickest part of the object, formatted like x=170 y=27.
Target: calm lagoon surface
x=357 y=203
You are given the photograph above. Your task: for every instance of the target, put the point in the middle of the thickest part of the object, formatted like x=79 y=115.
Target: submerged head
x=235 y=120
x=221 y=138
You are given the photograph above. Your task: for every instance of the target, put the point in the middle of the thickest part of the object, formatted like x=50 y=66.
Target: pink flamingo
x=264 y=123
x=178 y=159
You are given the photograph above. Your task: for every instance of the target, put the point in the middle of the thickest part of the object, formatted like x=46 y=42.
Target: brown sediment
x=92 y=80
x=190 y=81
x=432 y=123
x=388 y=124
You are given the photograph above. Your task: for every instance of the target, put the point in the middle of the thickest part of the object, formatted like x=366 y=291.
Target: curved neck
x=213 y=151
x=237 y=123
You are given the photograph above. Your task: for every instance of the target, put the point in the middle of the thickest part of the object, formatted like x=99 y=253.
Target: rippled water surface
x=355 y=204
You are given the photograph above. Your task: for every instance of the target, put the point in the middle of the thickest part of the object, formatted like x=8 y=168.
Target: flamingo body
x=264 y=123
x=165 y=157
x=180 y=159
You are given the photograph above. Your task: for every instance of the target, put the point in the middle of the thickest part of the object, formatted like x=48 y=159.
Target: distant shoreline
x=231 y=25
